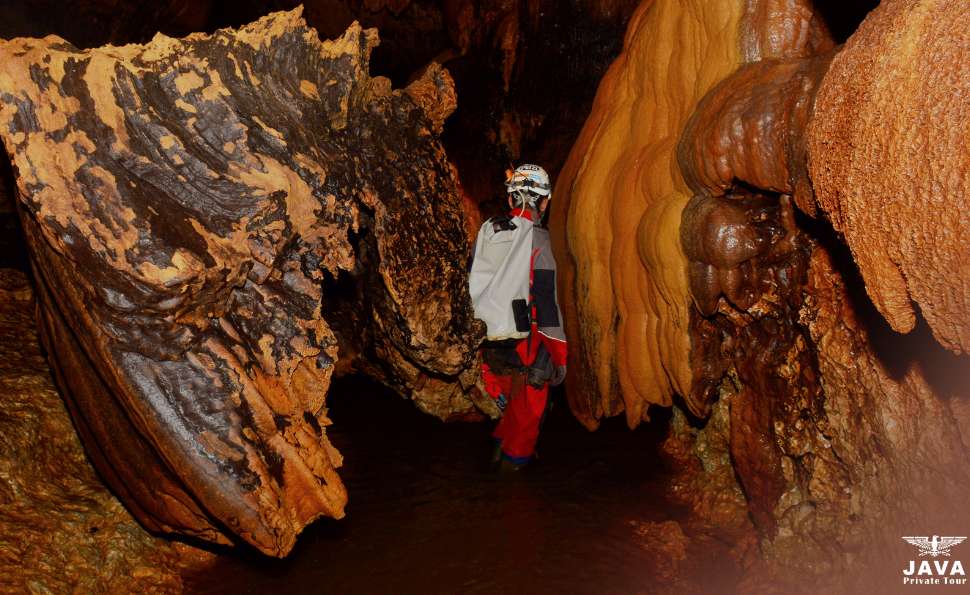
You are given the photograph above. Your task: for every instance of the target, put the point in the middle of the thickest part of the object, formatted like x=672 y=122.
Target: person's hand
x=558 y=376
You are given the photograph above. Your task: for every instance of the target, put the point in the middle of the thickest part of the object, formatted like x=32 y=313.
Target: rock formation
x=520 y=99
x=622 y=180
x=218 y=225
x=889 y=159
x=745 y=131
x=61 y=531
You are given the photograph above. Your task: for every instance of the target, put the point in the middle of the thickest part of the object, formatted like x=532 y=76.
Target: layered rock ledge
x=218 y=225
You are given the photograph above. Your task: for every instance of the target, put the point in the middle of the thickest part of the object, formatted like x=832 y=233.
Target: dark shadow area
x=947 y=373
x=533 y=116
x=410 y=37
x=844 y=16
x=425 y=516
x=13 y=246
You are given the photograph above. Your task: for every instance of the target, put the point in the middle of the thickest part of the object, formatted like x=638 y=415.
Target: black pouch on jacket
x=520 y=310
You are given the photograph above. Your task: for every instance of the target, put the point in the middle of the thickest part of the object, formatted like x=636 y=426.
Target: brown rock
x=882 y=451
x=842 y=436
x=838 y=443
x=666 y=544
x=747 y=266
x=212 y=233
x=704 y=477
x=61 y=531
x=620 y=195
x=751 y=129
x=890 y=150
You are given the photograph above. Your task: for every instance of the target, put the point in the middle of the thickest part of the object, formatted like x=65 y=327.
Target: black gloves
x=558 y=376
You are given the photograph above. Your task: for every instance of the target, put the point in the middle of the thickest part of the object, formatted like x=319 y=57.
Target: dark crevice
x=946 y=372
x=843 y=17
x=13 y=245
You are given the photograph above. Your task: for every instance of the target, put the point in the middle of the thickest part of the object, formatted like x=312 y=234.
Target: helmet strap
x=522 y=198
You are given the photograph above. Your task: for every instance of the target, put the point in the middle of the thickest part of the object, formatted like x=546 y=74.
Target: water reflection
x=425 y=517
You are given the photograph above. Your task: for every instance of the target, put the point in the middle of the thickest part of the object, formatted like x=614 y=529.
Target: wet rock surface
x=786 y=353
x=624 y=291
x=425 y=517
x=213 y=236
x=626 y=317
x=747 y=267
x=889 y=155
x=704 y=477
x=821 y=362
x=61 y=531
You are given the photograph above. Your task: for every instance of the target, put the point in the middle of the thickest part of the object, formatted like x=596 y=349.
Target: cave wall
x=710 y=203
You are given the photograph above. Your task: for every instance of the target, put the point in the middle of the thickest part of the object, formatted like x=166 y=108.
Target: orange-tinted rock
x=212 y=234
x=751 y=129
x=889 y=153
x=61 y=531
x=879 y=453
x=840 y=434
x=620 y=196
x=747 y=267
x=704 y=477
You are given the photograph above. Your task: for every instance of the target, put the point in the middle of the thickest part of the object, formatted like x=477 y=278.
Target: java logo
x=939 y=572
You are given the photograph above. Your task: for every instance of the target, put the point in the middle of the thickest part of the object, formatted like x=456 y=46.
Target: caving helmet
x=528 y=184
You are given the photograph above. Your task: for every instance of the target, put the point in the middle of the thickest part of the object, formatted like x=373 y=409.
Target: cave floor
x=590 y=516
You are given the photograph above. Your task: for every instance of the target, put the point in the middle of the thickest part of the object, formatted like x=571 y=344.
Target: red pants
x=518 y=429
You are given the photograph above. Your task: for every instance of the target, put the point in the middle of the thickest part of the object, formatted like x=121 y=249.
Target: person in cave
x=512 y=282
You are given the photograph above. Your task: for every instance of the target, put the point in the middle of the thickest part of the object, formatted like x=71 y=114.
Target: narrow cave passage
x=828 y=429
x=425 y=517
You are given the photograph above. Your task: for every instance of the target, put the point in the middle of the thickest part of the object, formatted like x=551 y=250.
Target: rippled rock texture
x=217 y=224
x=621 y=195
x=710 y=201
x=889 y=160
x=61 y=531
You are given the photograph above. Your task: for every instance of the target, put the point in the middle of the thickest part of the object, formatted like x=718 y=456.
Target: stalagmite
x=217 y=224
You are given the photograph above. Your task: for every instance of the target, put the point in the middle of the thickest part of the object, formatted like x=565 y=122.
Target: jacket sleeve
x=548 y=315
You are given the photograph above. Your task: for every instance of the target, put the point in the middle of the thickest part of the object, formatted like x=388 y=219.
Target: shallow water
x=426 y=517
